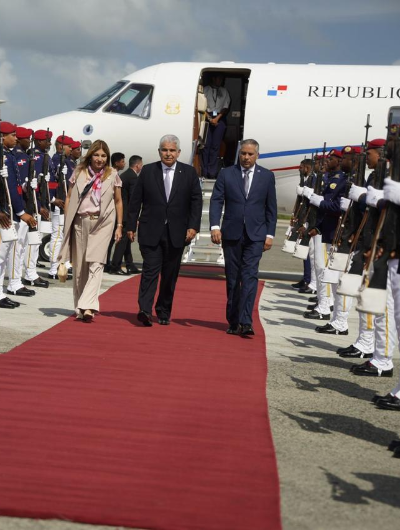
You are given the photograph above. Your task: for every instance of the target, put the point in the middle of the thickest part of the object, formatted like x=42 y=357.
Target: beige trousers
x=87 y=276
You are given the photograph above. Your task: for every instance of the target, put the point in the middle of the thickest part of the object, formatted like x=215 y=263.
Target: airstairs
x=202 y=251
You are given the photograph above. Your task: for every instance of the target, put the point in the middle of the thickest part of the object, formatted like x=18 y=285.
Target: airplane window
x=134 y=101
x=104 y=96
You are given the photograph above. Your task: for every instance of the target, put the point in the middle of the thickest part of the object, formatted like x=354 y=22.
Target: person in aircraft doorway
x=218 y=101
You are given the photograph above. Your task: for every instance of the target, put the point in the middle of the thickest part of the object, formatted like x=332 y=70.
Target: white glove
x=4 y=172
x=373 y=196
x=344 y=204
x=307 y=192
x=299 y=190
x=288 y=231
x=316 y=200
x=391 y=191
x=34 y=183
x=65 y=170
x=47 y=177
x=306 y=225
x=356 y=192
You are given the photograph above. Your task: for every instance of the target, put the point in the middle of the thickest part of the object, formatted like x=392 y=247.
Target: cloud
x=85 y=76
x=8 y=79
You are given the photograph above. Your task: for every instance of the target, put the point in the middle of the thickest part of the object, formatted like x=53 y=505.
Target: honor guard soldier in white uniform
x=328 y=205
x=61 y=158
x=391 y=194
x=342 y=304
x=381 y=364
x=27 y=254
x=8 y=249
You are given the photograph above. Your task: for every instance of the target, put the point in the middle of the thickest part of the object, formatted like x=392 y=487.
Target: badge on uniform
x=332 y=186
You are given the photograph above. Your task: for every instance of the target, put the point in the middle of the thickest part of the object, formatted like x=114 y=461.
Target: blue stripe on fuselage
x=310 y=151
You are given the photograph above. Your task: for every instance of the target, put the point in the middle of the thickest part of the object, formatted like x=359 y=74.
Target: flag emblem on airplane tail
x=277 y=90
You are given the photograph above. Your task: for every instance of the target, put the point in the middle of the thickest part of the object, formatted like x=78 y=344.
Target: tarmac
x=331 y=442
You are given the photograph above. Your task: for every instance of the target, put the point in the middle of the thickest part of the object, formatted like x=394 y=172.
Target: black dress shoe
x=40 y=265
x=164 y=321
x=145 y=319
x=70 y=271
x=377 y=398
x=39 y=282
x=330 y=330
x=313 y=299
x=394 y=444
x=307 y=290
x=118 y=272
x=353 y=353
x=316 y=316
x=392 y=404
x=22 y=291
x=132 y=270
x=246 y=329
x=233 y=330
x=299 y=285
x=6 y=303
x=368 y=369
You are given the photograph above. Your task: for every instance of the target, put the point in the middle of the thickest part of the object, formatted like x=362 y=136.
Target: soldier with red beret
x=7 y=249
x=63 y=147
x=328 y=205
x=27 y=254
x=76 y=152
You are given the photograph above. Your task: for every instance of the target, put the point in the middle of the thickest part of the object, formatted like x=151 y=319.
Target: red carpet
x=161 y=428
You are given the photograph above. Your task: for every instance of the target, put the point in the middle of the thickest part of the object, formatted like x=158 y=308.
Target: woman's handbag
x=62 y=272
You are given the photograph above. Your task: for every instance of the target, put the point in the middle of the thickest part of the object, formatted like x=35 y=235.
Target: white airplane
x=291 y=110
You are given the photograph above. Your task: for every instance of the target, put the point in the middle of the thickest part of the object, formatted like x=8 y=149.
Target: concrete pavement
x=335 y=471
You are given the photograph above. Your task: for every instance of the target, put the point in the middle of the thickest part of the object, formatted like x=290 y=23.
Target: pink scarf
x=96 y=187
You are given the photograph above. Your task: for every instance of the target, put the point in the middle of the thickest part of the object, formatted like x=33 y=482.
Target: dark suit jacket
x=258 y=212
x=129 y=179
x=149 y=205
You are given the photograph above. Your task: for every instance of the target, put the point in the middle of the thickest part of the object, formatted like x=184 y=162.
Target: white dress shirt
x=217 y=98
x=251 y=175
x=172 y=172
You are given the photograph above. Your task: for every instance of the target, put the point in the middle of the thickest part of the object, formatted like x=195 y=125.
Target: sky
x=56 y=56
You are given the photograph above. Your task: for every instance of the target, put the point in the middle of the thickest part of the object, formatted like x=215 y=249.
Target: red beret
x=65 y=140
x=320 y=157
x=22 y=133
x=7 y=128
x=41 y=134
x=335 y=152
x=376 y=144
x=351 y=150
x=75 y=145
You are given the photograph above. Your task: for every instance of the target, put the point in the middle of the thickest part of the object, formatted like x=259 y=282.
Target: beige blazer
x=101 y=233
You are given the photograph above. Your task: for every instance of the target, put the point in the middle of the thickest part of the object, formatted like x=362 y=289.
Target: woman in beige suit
x=93 y=202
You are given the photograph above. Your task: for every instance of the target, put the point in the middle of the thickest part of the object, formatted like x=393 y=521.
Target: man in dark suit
x=248 y=228
x=168 y=199
x=123 y=247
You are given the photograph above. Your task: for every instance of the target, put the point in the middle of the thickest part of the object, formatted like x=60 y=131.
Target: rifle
x=34 y=237
x=296 y=218
x=62 y=184
x=43 y=184
x=303 y=242
x=347 y=222
x=385 y=239
x=3 y=195
x=7 y=234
